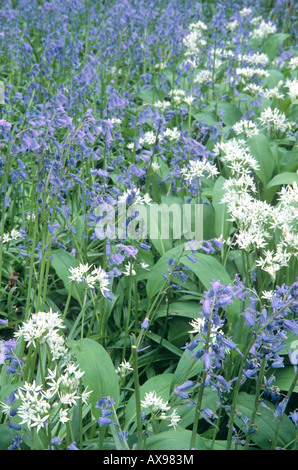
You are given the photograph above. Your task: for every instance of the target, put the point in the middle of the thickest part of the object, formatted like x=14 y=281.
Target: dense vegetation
x=118 y=116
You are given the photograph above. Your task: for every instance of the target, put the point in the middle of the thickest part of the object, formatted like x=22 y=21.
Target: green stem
x=243 y=360
x=31 y=265
x=257 y=395
x=137 y=395
x=128 y=311
x=83 y=314
x=278 y=428
x=202 y=385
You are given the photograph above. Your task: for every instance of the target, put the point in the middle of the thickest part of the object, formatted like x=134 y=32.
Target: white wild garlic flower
x=198 y=169
x=44 y=328
x=97 y=277
x=273 y=119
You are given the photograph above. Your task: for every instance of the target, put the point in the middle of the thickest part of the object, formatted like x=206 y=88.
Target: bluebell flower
x=104 y=421
x=16 y=443
x=280 y=409
x=15 y=427
x=72 y=446
x=294 y=417
x=56 y=441
x=145 y=324
x=184 y=389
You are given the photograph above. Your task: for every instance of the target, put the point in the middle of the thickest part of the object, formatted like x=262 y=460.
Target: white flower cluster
x=194 y=40
x=255 y=59
x=273 y=93
x=136 y=197
x=198 y=324
x=198 y=169
x=177 y=95
x=149 y=138
x=256 y=219
x=246 y=73
x=35 y=408
x=158 y=408
x=198 y=25
x=44 y=328
x=235 y=155
x=123 y=369
x=246 y=127
x=232 y=25
x=13 y=235
x=97 y=277
x=293 y=63
x=292 y=85
x=263 y=30
x=129 y=271
x=253 y=89
x=162 y=105
x=245 y=12
x=203 y=76
x=172 y=134
x=273 y=119
x=64 y=385
x=53 y=401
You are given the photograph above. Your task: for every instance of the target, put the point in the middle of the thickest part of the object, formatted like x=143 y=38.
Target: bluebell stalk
x=261 y=337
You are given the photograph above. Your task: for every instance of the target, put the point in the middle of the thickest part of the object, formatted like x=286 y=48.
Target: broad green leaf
x=221 y=222
x=186 y=369
x=156 y=280
x=209 y=118
x=178 y=439
x=99 y=371
x=160 y=226
x=165 y=344
x=265 y=421
x=275 y=76
x=160 y=384
x=231 y=114
x=79 y=226
x=260 y=149
x=148 y=95
x=216 y=445
x=283 y=178
x=284 y=377
x=187 y=309
x=6 y=436
x=208 y=217
x=207 y=269
x=61 y=262
x=277 y=181
x=291 y=344
x=272 y=44
x=187 y=413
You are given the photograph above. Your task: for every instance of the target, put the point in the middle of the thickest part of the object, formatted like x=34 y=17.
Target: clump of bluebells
x=113 y=336
x=260 y=350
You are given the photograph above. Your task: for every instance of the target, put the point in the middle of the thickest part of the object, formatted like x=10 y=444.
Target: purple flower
x=292 y=326
x=179 y=390
x=145 y=324
x=104 y=421
x=294 y=417
x=72 y=446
